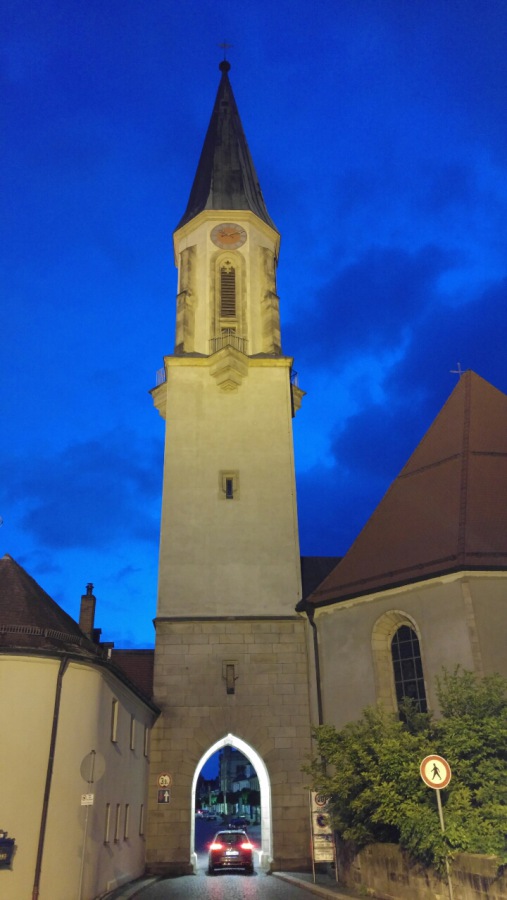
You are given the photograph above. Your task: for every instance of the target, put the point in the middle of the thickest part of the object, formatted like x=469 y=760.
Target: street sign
x=322 y=833
x=164 y=796
x=87 y=799
x=435 y=772
x=165 y=780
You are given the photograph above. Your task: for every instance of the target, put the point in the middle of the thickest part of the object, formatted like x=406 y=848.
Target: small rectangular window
x=132 y=733
x=146 y=740
x=229 y=484
x=117 y=823
x=127 y=821
x=114 y=721
x=141 y=820
x=107 y=823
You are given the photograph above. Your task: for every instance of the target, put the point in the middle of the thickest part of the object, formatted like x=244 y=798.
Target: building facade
x=75 y=744
x=423 y=586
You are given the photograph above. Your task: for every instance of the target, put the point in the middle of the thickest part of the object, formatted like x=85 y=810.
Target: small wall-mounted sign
x=164 y=796
x=6 y=849
x=165 y=780
x=87 y=799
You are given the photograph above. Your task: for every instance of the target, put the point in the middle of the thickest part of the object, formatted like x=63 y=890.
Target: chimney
x=87 y=612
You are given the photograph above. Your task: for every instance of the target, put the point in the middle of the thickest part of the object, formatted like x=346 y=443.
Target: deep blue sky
x=379 y=132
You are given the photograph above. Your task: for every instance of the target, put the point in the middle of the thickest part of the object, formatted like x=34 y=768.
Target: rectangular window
x=141 y=820
x=117 y=823
x=146 y=740
x=229 y=484
x=107 y=823
x=114 y=721
x=127 y=821
x=132 y=733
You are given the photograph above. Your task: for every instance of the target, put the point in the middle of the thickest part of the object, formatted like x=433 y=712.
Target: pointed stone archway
x=265 y=852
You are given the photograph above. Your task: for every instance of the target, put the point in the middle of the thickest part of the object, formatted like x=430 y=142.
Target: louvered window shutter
x=227 y=291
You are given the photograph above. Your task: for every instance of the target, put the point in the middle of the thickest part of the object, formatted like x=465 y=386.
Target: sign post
x=436 y=773
x=323 y=849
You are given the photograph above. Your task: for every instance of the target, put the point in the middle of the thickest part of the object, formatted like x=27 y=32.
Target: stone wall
x=387 y=874
x=269 y=711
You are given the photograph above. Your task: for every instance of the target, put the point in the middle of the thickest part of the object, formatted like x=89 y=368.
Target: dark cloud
x=380 y=437
x=369 y=306
x=384 y=168
x=91 y=494
x=334 y=503
x=372 y=447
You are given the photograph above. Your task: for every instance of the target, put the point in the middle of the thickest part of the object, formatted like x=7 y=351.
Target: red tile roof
x=447 y=509
x=30 y=618
x=137 y=666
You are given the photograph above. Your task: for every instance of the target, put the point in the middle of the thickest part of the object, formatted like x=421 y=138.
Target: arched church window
x=227 y=290
x=407 y=667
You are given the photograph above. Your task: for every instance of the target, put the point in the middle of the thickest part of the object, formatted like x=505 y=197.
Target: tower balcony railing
x=228 y=339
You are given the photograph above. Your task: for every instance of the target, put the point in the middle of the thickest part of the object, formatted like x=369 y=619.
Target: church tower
x=230 y=658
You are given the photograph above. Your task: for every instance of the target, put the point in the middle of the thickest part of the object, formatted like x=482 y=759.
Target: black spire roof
x=226 y=177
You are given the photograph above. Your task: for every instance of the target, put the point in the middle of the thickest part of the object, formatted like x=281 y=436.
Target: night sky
x=378 y=129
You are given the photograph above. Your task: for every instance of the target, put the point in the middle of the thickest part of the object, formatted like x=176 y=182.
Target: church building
x=254 y=644
x=248 y=652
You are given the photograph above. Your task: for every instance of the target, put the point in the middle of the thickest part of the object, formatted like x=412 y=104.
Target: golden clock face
x=228 y=236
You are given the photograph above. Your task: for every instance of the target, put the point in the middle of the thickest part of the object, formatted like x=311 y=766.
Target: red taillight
x=216 y=846
x=247 y=846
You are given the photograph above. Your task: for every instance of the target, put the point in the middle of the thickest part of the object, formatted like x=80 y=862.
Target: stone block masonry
x=269 y=711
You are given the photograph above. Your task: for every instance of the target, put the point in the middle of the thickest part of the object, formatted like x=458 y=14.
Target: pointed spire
x=226 y=178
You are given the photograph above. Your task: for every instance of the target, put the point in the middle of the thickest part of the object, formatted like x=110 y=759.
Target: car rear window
x=231 y=837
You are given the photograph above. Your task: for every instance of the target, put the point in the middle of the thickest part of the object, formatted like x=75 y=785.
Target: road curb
x=318 y=889
x=132 y=890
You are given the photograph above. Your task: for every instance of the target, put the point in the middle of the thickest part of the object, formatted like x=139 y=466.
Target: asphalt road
x=223 y=885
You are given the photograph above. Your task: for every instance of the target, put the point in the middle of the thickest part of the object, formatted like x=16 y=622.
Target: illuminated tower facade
x=230 y=660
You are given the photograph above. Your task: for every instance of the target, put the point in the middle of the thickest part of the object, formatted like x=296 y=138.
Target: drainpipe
x=304 y=606
x=49 y=774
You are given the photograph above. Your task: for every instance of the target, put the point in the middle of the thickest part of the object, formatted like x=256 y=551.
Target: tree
x=370 y=772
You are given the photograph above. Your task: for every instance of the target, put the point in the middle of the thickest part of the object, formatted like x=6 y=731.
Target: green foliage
x=370 y=772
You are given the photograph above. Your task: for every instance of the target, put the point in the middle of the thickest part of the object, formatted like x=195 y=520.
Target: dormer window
x=227 y=290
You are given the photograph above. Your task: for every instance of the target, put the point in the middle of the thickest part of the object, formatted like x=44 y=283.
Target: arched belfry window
x=228 y=320
x=407 y=667
x=227 y=290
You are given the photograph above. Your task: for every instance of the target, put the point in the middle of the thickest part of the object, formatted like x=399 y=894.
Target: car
x=231 y=849
x=239 y=822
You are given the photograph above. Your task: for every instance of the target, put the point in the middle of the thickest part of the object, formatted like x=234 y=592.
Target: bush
x=370 y=772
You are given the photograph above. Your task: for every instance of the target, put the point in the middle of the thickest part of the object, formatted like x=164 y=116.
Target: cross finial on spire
x=458 y=371
x=225 y=47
